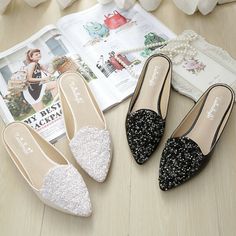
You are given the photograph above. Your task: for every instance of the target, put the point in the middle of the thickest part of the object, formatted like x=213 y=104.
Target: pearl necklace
x=177 y=50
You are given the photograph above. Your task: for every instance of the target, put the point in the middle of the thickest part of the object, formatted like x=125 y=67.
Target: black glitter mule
x=145 y=121
x=191 y=145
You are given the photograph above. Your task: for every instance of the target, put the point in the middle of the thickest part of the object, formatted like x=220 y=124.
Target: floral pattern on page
x=194 y=66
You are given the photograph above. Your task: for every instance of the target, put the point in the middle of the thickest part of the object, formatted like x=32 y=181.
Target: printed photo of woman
x=39 y=81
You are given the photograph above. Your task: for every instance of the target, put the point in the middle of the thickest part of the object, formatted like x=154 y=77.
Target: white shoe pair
x=204 y=6
x=187 y=6
x=149 y=5
x=34 y=3
x=55 y=181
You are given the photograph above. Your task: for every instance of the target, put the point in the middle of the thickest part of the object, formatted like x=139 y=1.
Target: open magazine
x=84 y=42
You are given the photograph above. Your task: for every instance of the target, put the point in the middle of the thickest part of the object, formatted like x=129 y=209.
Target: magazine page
x=209 y=66
x=28 y=81
x=101 y=31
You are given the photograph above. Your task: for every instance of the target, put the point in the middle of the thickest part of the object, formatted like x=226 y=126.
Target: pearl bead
x=179 y=46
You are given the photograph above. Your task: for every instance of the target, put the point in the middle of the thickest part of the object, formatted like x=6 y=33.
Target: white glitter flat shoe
x=53 y=179
x=150 y=5
x=188 y=7
x=3 y=5
x=85 y=124
x=65 y=3
x=34 y=3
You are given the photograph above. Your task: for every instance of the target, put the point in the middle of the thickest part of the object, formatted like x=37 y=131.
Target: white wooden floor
x=129 y=202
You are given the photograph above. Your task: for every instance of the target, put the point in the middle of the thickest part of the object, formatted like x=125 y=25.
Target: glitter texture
x=91 y=148
x=144 y=129
x=64 y=189
x=181 y=159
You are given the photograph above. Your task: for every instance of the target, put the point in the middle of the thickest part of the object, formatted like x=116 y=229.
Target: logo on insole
x=23 y=144
x=153 y=80
x=214 y=108
x=76 y=92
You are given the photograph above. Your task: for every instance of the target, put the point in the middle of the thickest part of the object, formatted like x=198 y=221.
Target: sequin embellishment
x=64 y=188
x=144 y=130
x=91 y=148
x=181 y=159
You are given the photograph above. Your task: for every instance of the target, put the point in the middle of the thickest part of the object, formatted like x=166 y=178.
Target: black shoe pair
x=189 y=148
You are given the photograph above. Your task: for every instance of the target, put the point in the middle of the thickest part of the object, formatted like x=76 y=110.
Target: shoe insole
x=78 y=104
x=157 y=73
x=27 y=153
x=212 y=118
